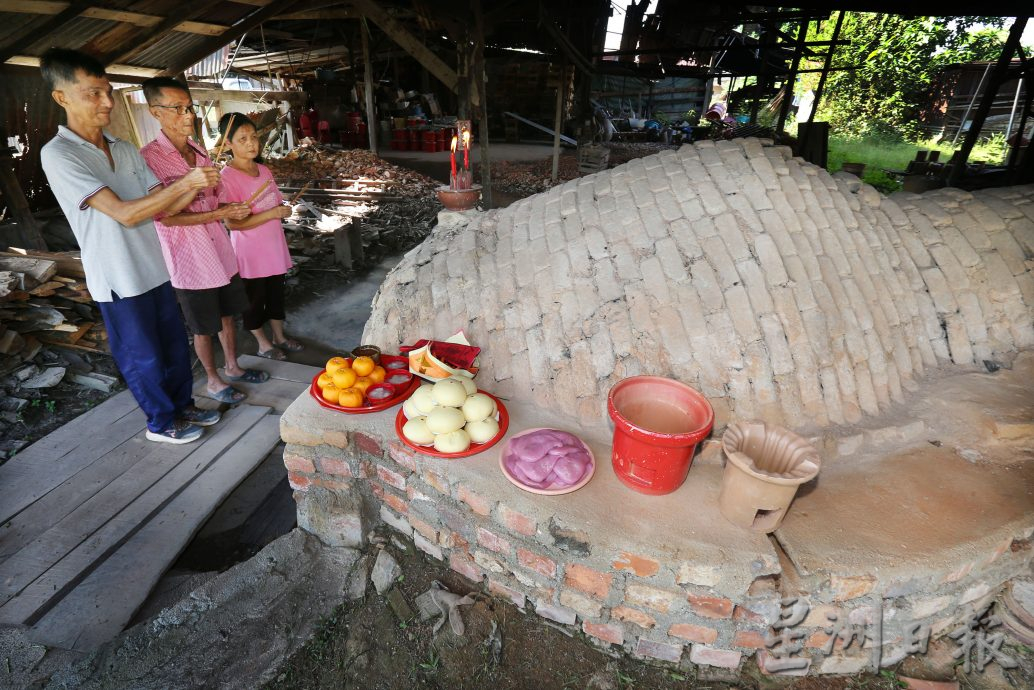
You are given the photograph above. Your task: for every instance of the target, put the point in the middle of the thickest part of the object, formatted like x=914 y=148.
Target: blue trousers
x=150 y=347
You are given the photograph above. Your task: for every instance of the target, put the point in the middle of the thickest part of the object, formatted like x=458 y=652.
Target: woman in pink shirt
x=262 y=255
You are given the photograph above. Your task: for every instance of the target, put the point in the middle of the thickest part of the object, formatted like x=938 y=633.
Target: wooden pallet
x=93 y=514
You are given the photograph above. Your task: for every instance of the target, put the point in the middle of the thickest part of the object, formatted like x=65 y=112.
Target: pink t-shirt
x=261 y=251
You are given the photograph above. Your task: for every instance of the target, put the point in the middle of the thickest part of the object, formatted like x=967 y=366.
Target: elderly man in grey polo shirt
x=109 y=196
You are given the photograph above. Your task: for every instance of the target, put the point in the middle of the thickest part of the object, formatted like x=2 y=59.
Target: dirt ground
x=366 y=644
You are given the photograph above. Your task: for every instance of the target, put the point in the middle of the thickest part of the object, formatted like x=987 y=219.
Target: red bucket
x=658 y=423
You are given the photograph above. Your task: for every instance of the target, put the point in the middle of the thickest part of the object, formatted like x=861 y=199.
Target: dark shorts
x=266 y=296
x=203 y=310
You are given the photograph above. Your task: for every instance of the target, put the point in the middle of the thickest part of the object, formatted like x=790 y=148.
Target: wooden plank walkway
x=278 y=392
x=93 y=514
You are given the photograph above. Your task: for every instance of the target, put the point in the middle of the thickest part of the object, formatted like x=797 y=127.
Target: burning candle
x=453 y=157
x=466 y=149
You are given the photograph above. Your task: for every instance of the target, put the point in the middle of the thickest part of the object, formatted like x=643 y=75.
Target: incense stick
x=301 y=191
x=258 y=191
x=229 y=126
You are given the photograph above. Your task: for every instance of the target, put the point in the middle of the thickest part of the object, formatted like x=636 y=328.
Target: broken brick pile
x=777 y=290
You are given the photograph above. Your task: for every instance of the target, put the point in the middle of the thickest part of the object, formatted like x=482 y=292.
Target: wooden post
x=822 y=81
x=27 y=227
x=997 y=76
x=482 y=104
x=371 y=114
x=784 y=107
x=558 y=121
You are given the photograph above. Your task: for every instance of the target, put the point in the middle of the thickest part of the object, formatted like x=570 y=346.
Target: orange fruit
x=362 y=383
x=378 y=374
x=331 y=392
x=363 y=365
x=335 y=363
x=351 y=397
x=345 y=378
x=324 y=379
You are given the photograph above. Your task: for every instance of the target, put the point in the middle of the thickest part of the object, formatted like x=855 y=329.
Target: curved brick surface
x=779 y=291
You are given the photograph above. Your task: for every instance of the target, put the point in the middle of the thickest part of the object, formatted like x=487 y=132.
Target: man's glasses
x=180 y=109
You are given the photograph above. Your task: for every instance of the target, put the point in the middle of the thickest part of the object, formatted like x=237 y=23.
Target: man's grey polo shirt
x=117 y=258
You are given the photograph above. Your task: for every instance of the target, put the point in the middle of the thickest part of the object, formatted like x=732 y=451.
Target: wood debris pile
x=46 y=317
x=355 y=170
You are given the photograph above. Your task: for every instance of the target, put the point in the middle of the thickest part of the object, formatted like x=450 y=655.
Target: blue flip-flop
x=250 y=376
x=229 y=395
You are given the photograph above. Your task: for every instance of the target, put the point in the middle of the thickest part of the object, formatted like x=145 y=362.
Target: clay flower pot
x=658 y=423
x=459 y=199
x=765 y=466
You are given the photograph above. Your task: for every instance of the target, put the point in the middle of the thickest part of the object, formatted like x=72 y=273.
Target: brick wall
x=349 y=474
x=777 y=290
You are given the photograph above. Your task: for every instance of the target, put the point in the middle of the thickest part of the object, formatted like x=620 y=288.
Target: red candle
x=466 y=149
x=453 y=157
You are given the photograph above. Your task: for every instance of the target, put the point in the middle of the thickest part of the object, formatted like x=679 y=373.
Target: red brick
x=436 y=482
x=659 y=600
x=454 y=540
x=643 y=620
x=397 y=504
x=493 y=541
x=819 y=639
x=659 y=650
x=542 y=565
x=588 y=580
x=391 y=478
x=332 y=483
x=748 y=638
x=500 y=590
x=402 y=455
x=710 y=607
x=517 y=522
x=479 y=505
x=368 y=444
x=693 y=633
x=709 y=656
x=643 y=566
x=429 y=532
x=465 y=567
x=377 y=490
x=746 y=615
x=415 y=495
x=336 y=466
x=608 y=632
x=366 y=469
x=296 y=463
x=299 y=482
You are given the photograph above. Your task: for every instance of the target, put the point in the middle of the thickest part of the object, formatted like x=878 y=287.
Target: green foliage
x=895 y=59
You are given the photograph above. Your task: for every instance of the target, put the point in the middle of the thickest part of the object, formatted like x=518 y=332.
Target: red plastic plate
x=367 y=407
x=475 y=448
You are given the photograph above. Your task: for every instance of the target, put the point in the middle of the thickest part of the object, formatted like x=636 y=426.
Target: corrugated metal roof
x=169 y=50
x=74 y=34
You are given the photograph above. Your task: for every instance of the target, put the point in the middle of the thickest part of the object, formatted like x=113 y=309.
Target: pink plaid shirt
x=199 y=257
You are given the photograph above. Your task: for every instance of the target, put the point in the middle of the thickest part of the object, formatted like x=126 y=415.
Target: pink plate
x=545 y=492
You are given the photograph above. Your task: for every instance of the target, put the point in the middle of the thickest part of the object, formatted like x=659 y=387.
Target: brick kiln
x=781 y=293
x=776 y=290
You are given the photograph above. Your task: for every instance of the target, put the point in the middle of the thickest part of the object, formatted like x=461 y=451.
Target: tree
x=895 y=59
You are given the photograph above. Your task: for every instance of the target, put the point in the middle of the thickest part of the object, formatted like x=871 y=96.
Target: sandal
x=250 y=376
x=273 y=353
x=228 y=395
x=290 y=345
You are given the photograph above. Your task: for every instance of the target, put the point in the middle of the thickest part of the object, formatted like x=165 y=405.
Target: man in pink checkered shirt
x=195 y=245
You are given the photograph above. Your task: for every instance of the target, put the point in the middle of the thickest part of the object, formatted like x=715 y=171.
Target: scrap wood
x=68 y=263
x=347 y=167
x=33 y=272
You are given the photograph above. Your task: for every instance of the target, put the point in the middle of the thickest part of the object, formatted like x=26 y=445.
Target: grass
x=880 y=154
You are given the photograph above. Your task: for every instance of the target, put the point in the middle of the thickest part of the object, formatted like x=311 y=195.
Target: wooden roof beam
x=148 y=38
x=51 y=8
x=232 y=34
x=36 y=33
x=408 y=42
